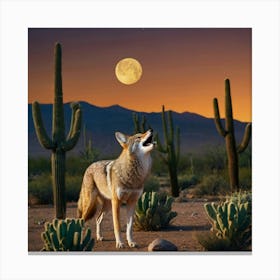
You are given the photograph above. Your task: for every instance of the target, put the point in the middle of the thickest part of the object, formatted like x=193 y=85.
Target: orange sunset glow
x=183 y=69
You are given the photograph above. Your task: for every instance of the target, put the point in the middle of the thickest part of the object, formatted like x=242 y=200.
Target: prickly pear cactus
x=232 y=221
x=153 y=212
x=67 y=235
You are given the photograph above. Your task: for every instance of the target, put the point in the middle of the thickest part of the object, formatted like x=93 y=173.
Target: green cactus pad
x=69 y=235
x=231 y=221
x=153 y=212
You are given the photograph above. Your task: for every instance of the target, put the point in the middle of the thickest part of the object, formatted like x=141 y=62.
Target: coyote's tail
x=87 y=204
x=79 y=208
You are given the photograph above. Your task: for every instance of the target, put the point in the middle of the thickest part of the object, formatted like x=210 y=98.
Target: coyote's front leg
x=116 y=220
x=130 y=209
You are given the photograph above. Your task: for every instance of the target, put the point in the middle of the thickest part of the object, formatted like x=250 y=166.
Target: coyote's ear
x=122 y=138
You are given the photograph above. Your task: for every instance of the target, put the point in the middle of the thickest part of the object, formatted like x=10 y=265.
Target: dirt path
x=190 y=220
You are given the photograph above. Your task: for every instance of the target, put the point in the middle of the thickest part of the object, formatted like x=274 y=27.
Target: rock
x=162 y=245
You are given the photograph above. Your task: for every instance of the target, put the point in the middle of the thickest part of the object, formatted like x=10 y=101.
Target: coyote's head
x=140 y=143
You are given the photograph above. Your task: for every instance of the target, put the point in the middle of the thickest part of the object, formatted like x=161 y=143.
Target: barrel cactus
x=67 y=235
x=232 y=222
x=153 y=212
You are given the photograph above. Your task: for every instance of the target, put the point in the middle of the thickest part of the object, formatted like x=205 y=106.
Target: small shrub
x=245 y=178
x=152 y=184
x=211 y=242
x=153 y=212
x=214 y=184
x=41 y=189
x=187 y=181
x=67 y=235
x=73 y=187
x=38 y=166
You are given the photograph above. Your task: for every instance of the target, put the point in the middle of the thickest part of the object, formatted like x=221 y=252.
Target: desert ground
x=190 y=220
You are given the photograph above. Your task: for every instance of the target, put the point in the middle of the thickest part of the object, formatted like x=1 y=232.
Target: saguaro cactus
x=59 y=144
x=228 y=133
x=172 y=158
x=139 y=126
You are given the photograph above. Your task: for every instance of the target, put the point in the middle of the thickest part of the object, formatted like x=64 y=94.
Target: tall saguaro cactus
x=228 y=133
x=173 y=153
x=59 y=144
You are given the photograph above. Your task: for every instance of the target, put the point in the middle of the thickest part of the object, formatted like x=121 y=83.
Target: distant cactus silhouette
x=173 y=153
x=228 y=133
x=59 y=144
x=139 y=126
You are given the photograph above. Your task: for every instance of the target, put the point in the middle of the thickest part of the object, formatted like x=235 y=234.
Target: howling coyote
x=109 y=183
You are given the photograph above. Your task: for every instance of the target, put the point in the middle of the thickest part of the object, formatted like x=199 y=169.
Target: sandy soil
x=191 y=219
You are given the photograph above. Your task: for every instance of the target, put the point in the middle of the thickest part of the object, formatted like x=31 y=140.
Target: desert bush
x=245 y=178
x=153 y=212
x=152 y=184
x=75 y=165
x=67 y=235
x=40 y=188
x=73 y=187
x=245 y=158
x=210 y=242
x=213 y=184
x=38 y=166
x=157 y=167
x=231 y=224
x=187 y=181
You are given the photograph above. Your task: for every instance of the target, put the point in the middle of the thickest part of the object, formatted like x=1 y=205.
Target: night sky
x=183 y=69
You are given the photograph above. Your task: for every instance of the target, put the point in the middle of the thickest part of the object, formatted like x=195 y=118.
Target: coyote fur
x=108 y=183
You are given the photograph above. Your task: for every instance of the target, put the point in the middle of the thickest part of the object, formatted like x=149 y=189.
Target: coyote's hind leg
x=99 y=219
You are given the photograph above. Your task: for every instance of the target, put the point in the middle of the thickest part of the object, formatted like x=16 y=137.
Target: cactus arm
x=42 y=135
x=246 y=138
x=143 y=124
x=75 y=130
x=171 y=134
x=217 y=118
x=178 y=145
x=159 y=145
x=135 y=122
x=164 y=125
x=228 y=108
x=58 y=114
x=74 y=106
x=139 y=127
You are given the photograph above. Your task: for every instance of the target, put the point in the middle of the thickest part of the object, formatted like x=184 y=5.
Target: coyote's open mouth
x=148 y=141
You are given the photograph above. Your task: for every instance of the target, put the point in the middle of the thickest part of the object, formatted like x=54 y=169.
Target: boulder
x=162 y=245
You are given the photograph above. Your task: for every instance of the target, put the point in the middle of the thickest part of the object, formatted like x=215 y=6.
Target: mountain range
x=198 y=133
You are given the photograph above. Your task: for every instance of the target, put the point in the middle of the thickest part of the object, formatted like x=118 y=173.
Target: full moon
x=128 y=71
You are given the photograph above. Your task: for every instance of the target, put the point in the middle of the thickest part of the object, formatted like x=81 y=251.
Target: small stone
x=162 y=245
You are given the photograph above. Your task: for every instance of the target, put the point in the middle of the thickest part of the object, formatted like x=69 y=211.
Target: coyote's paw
x=99 y=238
x=119 y=245
x=132 y=244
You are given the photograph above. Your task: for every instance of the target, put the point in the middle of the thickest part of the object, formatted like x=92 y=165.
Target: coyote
x=109 y=183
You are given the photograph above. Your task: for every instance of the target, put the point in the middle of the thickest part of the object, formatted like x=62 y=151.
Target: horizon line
x=155 y=112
